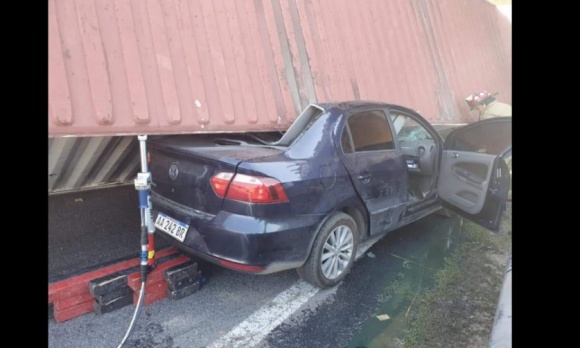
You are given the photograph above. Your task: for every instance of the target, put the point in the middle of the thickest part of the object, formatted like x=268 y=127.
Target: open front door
x=474 y=177
x=475 y=185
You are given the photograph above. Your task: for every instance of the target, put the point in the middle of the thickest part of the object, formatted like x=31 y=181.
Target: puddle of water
x=436 y=241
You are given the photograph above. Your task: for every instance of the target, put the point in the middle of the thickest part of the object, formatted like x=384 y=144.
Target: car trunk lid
x=182 y=172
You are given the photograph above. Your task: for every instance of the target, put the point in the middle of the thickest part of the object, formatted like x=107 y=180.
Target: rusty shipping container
x=125 y=67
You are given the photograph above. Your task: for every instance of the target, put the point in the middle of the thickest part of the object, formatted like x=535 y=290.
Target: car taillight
x=220 y=183
x=246 y=188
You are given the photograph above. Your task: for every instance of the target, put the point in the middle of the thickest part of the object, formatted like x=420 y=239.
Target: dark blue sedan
x=341 y=174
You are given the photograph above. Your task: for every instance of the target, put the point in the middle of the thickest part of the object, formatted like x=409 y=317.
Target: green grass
x=422 y=327
x=439 y=311
x=479 y=237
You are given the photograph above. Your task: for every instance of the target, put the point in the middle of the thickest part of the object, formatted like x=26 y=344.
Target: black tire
x=312 y=271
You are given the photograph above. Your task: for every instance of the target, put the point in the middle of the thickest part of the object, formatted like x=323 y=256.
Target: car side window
x=370 y=131
x=407 y=129
x=491 y=138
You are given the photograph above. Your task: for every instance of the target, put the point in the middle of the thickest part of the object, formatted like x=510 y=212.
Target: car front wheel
x=333 y=252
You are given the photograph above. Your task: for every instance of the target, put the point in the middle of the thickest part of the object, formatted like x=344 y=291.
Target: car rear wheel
x=333 y=252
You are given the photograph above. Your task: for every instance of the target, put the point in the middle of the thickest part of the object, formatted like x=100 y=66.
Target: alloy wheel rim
x=337 y=252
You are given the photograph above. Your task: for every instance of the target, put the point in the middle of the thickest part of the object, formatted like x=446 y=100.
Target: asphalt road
x=92 y=228
x=279 y=310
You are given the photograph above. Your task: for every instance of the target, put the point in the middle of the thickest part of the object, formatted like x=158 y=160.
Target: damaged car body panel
x=341 y=173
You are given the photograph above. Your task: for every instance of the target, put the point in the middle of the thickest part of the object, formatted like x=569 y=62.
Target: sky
x=506 y=10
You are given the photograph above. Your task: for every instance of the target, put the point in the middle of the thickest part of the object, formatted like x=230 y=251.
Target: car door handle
x=468 y=177
x=364 y=178
x=463 y=174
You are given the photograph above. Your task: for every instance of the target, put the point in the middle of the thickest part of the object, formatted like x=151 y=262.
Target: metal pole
x=143 y=187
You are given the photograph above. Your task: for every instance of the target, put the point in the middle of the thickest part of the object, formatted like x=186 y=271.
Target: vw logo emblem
x=173 y=171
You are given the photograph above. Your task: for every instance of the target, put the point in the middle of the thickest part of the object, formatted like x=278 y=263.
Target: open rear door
x=474 y=178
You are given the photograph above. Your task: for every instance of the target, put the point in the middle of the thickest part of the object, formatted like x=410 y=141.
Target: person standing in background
x=487 y=105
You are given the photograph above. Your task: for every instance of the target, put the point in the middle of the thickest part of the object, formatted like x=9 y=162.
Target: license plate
x=174 y=228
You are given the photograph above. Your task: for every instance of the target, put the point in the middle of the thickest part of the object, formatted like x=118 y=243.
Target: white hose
x=135 y=315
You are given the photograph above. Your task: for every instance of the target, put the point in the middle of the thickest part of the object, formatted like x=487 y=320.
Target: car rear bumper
x=243 y=243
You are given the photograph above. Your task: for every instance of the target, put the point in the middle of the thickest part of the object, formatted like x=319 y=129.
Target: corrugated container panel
x=90 y=162
x=178 y=66
x=473 y=59
x=126 y=67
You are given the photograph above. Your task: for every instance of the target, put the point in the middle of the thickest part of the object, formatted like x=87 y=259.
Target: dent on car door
x=375 y=166
x=474 y=178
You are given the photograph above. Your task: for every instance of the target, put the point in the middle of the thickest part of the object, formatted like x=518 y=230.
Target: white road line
x=257 y=326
